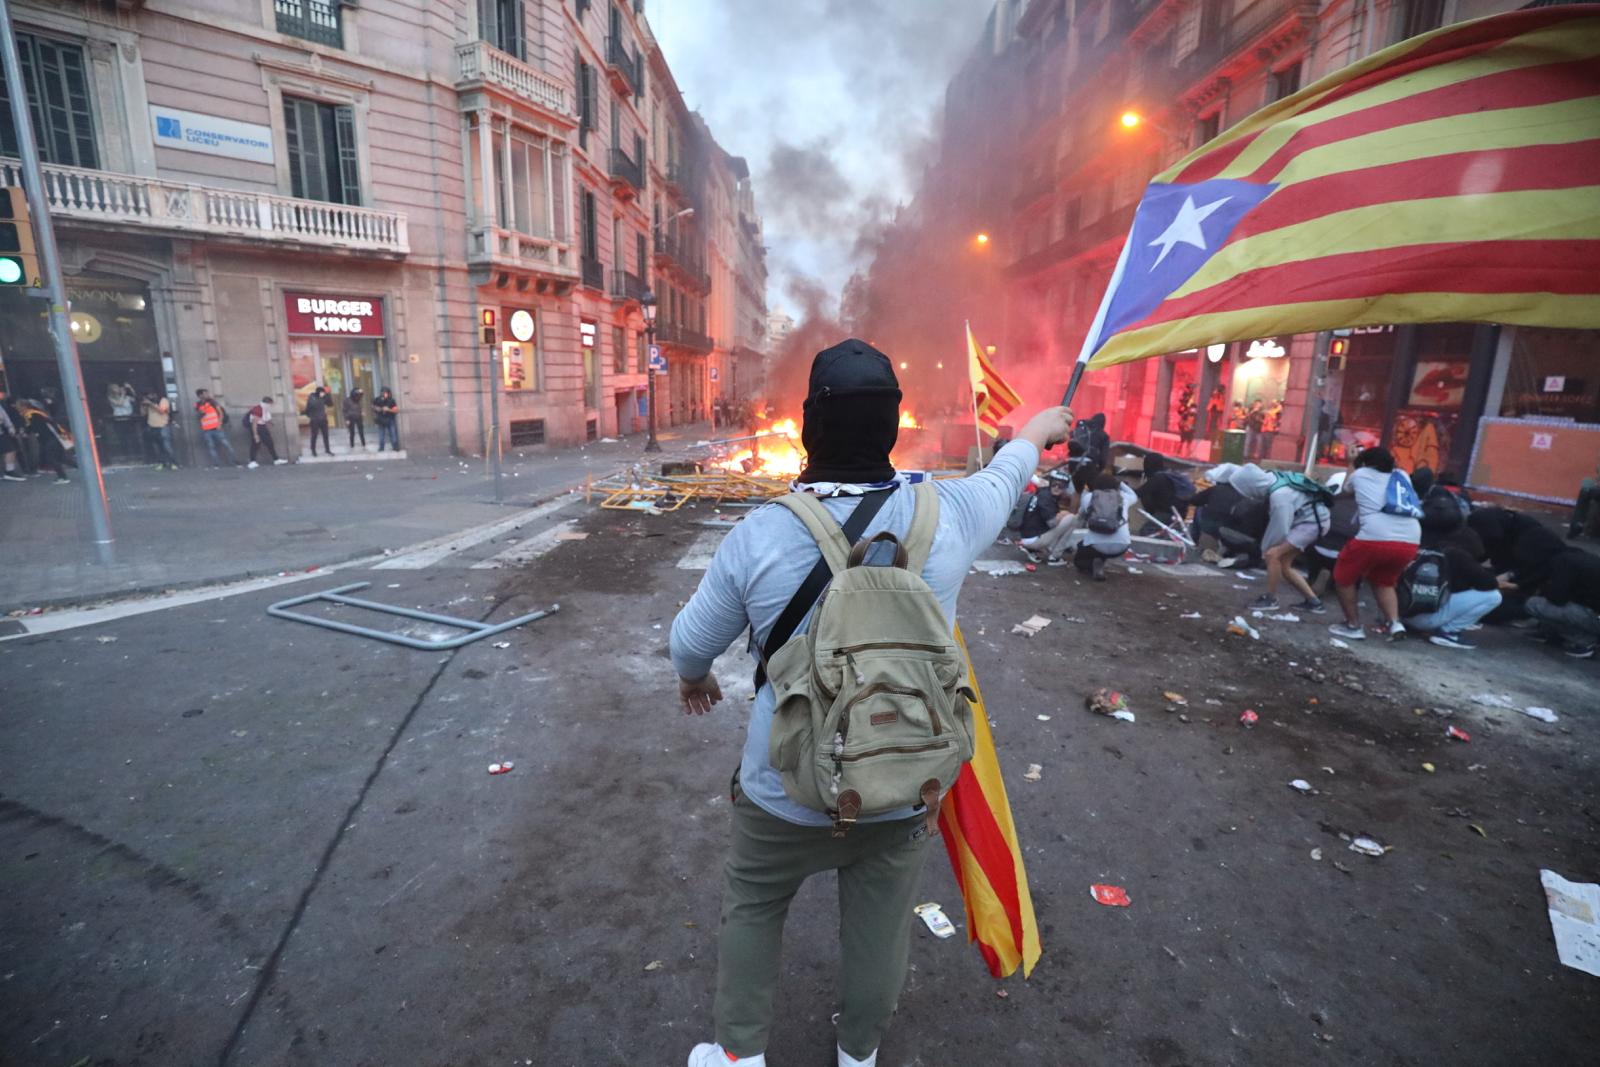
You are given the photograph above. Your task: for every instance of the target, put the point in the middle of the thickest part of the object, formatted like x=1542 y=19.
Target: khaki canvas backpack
x=873 y=711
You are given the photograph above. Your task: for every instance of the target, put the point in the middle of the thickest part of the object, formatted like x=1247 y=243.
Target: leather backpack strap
x=812 y=587
x=924 y=524
x=822 y=527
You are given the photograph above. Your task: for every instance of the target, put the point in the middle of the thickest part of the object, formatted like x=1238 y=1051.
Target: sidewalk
x=199 y=526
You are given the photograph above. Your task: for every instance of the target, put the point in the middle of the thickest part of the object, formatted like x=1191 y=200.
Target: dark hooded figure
x=852 y=415
x=1518 y=544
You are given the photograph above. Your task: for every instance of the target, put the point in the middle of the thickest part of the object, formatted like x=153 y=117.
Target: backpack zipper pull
x=850 y=659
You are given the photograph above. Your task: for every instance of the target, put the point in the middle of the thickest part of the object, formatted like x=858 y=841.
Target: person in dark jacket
x=1475 y=591
x=1568 y=604
x=384 y=409
x=316 y=412
x=1519 y=547
x=1158 y=493
x=355 y=417
x=1048 y=521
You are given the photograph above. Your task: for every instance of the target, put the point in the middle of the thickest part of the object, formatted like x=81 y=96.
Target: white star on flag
x=1185 y=228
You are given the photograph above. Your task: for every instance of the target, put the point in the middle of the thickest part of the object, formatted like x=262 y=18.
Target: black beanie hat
x=852 y=415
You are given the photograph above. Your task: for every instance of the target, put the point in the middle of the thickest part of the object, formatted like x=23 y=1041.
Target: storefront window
x=589 y=340
x=519 y=351
x=1426 y=424
x=1553 y=374
x=337 y=341
x=1356 y=396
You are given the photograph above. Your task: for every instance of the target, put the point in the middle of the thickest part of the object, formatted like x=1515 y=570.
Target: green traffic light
x=10 y=271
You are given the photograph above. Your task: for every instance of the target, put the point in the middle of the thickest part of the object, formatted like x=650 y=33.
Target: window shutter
x=56 y=82
x=640 y=246
x=292 y=141
x=514 y=32
x=344 y=119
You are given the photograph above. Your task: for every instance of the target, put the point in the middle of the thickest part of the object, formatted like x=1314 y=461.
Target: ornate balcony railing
x=594 y=273
x=625 y=286
x=622 y=65
x=481 y=62
x=132 y=200
x=625 y=168
x=672 y=333
x=508 y=249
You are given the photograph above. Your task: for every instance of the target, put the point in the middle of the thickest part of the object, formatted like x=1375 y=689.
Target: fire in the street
x=909 y=421
x=775 y=454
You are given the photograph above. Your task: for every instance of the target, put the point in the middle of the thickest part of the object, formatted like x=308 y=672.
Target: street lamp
x=647 y=304
x=1131 y=119
x=983 y=238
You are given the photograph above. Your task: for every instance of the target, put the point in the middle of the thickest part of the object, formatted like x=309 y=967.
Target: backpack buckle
x=845 y=816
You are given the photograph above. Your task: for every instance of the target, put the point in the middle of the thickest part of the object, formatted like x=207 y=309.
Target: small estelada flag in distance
x=992 y=398
x=1453 y=177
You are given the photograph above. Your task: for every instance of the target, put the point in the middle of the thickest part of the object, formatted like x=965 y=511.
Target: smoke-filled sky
x=830 y=101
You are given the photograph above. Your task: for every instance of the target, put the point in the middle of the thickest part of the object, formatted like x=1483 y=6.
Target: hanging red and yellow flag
x=992 y=398
x=975 y=821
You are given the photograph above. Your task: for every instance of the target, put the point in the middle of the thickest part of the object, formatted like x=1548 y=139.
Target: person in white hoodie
x=1296 y=518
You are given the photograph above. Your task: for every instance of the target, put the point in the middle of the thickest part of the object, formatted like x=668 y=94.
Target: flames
x=777 y=452
x=909 y=421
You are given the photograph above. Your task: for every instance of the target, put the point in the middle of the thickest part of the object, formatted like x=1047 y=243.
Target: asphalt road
x=231 y=839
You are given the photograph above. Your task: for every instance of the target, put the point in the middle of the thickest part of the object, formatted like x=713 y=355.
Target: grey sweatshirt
x=763 y=560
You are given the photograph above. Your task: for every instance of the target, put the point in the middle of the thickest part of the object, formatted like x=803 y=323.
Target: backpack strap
x=822 y=527
x=924 y=524
x=789 y=621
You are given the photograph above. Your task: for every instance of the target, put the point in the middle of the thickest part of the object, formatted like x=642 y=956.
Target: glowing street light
x=983 y=238
x=1130 y=119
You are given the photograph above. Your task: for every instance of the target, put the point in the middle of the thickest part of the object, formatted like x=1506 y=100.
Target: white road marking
x=698 y=557
x=527 y=551
x=430 y=552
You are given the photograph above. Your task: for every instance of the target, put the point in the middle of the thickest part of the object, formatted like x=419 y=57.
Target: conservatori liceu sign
x=193 y=132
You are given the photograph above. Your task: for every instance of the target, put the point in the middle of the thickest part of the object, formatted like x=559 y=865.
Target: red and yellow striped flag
x=975 y=821
x=1453 y=177
x=992 y=398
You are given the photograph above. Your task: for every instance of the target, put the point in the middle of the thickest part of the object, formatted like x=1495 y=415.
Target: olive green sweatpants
x=879 y=865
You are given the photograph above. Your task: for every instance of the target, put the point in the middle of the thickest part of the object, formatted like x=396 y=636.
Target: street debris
x=1243 y=629
x=1190 y=615
x=1042 y=718
x=1368 y=846
x=1031 y=625
x=1475 y=828
x=1248 y=718
x=934 y=918
x=1001 y=993
x=1574 y=920
x=1542 y=714
x=1300 y=785
x=1112 y=896
x=1109 y=702
x=654 y=965
x=1316 y=854
x=1134 y=570
x=1336 y=643
x=1123 y=714
x=1495 y=700
x=501 y=768
x=1455 y=733
x=1033 y=773
x=1176 y=698
x=502 y=644
x=105 y=639
x=998 y=568
x=572 y=535
x=1428 y=767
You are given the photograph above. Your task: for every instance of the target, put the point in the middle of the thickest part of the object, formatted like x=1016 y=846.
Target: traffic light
x=19 y=264
x=488 y=326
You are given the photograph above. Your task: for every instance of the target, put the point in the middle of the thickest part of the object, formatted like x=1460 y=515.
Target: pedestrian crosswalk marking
x=698 y=557
x=526 y=551
x=434 y=551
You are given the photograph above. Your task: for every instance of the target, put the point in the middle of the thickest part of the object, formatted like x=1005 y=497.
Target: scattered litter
x=502 y=644
x=1475 y=828
x=1301 y=785
x=1477 y=766
x=1368 y=846
x=654 y=965
x=1328 y=769
x=1455 y=733
x=1316 y=854
x=1135 y=570
x=1542 y=714
x=934 y=918
x=1243 y=629
x=1575 y=920
x=369 y=477
x=606 y=441
x=501 y=768
x=998 y=568
x=1190 y=615
x=1287 y=616
x=1030 y=626
x=1042 y=718
x=1072 y=618
x=1112 y=896
x=572 y=535
x=1033 y=773
x=1429 y=767
x=1494 y=700
x=1336 y=643
x=1248 y=718
x=1236 y=585
x=1106 y=702
x=1214 y=701
x=106 y=639
x=1123 y=714
x=1030 y=567
x=1341 y=867
x=1001 y=993
x=1175 y=698
x=392 y=585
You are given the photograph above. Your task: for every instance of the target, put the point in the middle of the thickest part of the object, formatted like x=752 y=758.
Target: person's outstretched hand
x=1048 y=428
x=698 y=696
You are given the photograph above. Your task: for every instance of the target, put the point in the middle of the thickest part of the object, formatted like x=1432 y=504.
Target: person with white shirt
x=1103 y=520
x=1383 y=547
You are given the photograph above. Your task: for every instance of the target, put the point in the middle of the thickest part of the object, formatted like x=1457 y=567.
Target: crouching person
x=767 y=575
x=1103 y=517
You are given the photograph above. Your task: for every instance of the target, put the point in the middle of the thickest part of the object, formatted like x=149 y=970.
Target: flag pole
x=1092 y=340
x=977 y=431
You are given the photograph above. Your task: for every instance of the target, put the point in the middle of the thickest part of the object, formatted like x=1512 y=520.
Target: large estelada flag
x=1453 y=177
x=975 y=822
x=992 y=398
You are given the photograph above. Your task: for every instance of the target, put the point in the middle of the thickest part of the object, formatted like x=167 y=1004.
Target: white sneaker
x=279 y=462
x=1397 y=630
x=847 y=1060
x=1350 y=633
x=252 y=465
x=713 y=1056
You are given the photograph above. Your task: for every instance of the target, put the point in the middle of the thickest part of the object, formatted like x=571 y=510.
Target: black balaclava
x=852 y=415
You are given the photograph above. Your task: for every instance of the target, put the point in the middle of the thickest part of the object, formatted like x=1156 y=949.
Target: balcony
x=626 y=287
x=480 y=64
x=594 y=274
x=155 y=204
x=507 y=251
x=671 y=333
x=627 y=175
x=676 y=254
x=621 y=67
